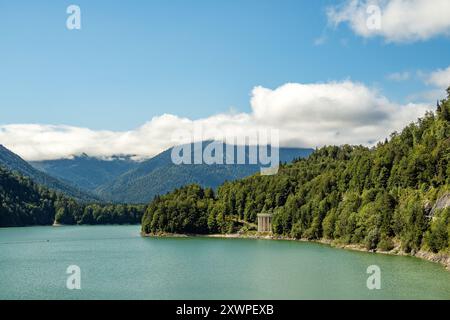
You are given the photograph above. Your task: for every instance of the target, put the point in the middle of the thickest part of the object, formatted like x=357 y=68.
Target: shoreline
x=440 y=258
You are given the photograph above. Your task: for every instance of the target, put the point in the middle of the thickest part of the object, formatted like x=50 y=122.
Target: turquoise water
x=116 y=263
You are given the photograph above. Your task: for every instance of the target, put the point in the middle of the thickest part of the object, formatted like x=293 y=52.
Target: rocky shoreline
x=441 y=258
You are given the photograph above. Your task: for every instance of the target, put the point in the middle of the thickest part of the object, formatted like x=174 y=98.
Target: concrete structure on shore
x=264 y=222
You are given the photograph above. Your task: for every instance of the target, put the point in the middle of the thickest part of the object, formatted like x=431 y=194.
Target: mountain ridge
x=13 y=162
x=152 y=175
x=86 y=172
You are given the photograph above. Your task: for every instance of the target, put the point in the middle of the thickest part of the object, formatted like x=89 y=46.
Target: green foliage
x=410 y=222
x=160 y=175
x=24 y=203
x=370 y=196
x=183 y=211
x=12 y=162
x=438 y=236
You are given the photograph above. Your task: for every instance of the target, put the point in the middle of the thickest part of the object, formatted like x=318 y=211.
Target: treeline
x=24 y=203
x=185 y=210
x=378 y=197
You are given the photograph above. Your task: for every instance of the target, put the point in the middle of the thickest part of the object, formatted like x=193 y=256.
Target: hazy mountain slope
x=86 y=172
x=13 y=162
x=159 y=175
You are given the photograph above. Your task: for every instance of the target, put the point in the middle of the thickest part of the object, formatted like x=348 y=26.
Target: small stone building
x=264 y=222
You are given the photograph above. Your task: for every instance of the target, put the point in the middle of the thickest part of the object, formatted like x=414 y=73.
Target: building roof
x=264 y=214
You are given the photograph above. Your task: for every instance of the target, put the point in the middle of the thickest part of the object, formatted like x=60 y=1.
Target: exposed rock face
x=428 y=207
x=442 y=203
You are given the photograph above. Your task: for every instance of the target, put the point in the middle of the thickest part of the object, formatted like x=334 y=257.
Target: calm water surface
x=116 y=263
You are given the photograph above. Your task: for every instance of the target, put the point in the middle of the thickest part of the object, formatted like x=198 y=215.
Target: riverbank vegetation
x=376 y=196
x=24 y=203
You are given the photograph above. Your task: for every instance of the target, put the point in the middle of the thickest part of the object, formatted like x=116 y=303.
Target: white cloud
x=401 y=20
x=306 y=115
x=427 y=95
x=320 y=40
x=437 y=81
x=439 y=78
x=399 y=76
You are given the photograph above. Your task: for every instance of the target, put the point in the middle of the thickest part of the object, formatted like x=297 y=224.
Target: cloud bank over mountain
x=306 y=115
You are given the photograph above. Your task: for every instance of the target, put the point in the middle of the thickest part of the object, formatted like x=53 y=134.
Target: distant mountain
x=86 y=172
x=159 y=175
x=13 y=162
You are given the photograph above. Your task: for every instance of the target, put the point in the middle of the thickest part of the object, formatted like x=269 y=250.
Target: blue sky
x=138 y=59
x=138 y=71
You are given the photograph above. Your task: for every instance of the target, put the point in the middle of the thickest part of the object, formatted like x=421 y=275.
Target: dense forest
x=24 y=203
x=12 y=162
x=159 y=175
x=378 y=197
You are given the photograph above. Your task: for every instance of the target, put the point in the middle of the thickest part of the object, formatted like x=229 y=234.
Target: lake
x=116 y=263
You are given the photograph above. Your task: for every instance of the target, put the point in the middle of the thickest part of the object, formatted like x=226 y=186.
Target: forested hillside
x=378 y=197
x=160 y=175
x=24 y=203
x=11 y=161
x=31 y=197
x=88 y=173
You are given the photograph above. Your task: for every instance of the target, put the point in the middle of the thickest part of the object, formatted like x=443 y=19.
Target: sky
x=138 y=70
